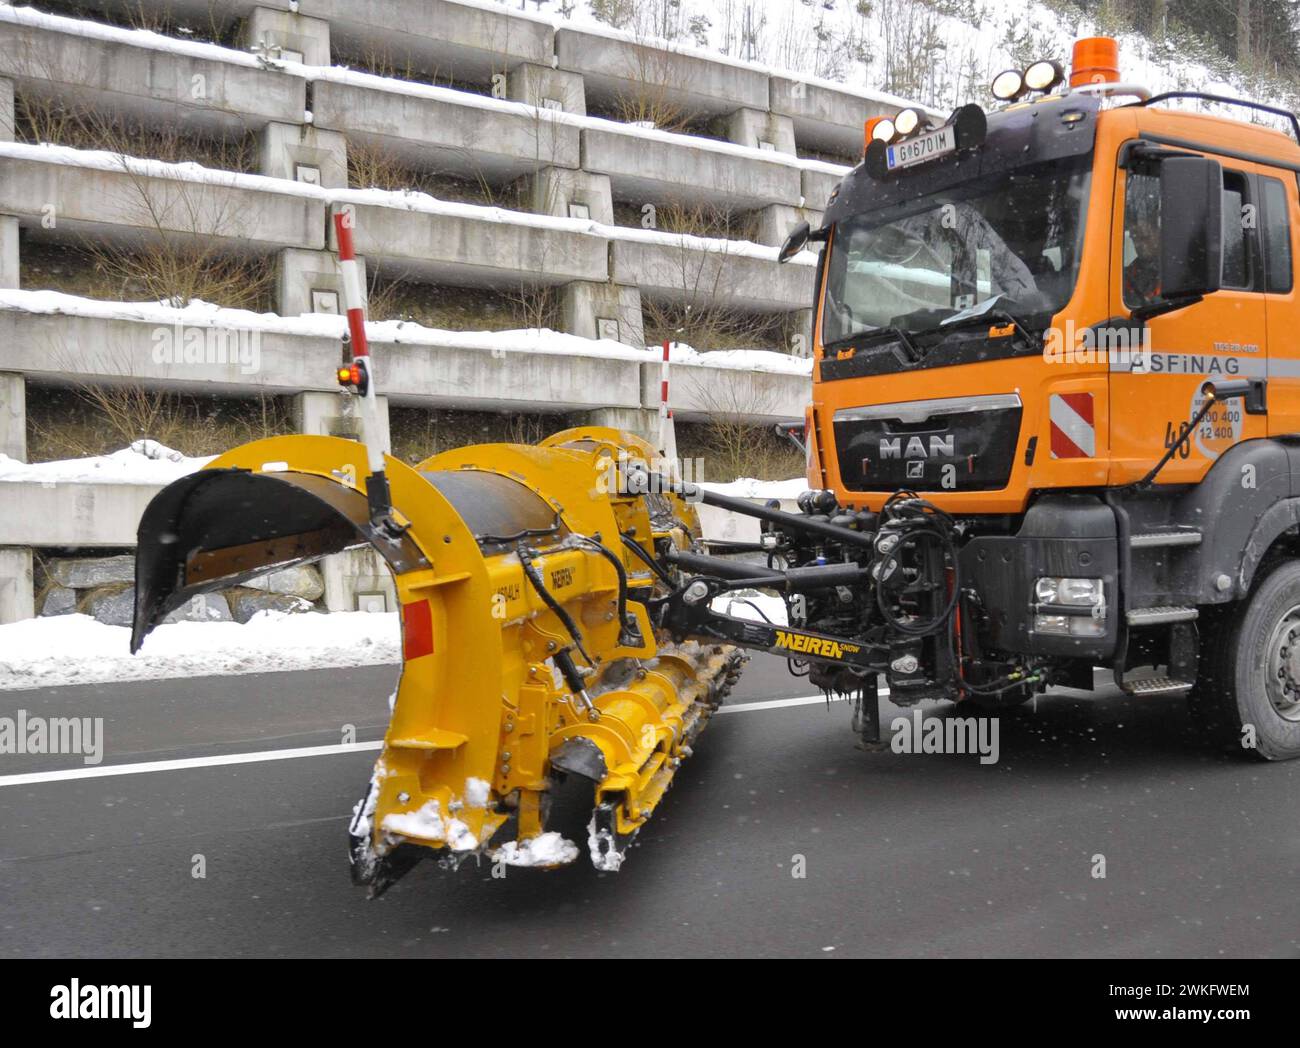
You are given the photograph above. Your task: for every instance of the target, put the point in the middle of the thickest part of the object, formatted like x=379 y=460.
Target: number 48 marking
x=1185 y=450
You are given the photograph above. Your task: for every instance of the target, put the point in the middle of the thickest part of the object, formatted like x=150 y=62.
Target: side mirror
x=1191 y=227
x=794 y=243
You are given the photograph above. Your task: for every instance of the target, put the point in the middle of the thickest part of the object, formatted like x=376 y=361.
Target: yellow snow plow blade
x=523 y=576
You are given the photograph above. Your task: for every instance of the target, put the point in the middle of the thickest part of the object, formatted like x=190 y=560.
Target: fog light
x=1089 y=627
x=1070 y=625
x=1059 y=624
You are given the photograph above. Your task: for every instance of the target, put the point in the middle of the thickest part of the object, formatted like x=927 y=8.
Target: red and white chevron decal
x=1073 y=433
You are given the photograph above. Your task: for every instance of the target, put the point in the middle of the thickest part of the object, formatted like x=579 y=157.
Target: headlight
x=884 y=131
x=1008 y=85
x=1080 y=591
x=1053 y=595
x=1074 y=592
x=907 y=121
x=1043 y=76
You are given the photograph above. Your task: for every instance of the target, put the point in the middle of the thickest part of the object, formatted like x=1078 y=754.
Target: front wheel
x=1249 y=686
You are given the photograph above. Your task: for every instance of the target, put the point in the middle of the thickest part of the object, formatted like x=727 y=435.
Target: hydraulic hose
x=646 y=559
x=911 y=518
x=531 y=573
x=628 y=634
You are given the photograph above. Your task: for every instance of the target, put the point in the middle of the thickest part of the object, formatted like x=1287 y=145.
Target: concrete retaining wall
x=446 y=133
x=179 y=90
x=662 y=168
x=54 y=198
x=711 y=274
x=693 y=84
x=440 y=39
x=476 y=249
x=90 y=515
x=56 y=347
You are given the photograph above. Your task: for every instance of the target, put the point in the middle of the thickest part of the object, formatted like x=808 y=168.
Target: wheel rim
x=1283 y=681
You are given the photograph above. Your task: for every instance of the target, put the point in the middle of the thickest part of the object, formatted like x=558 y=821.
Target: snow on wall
x=398 y=332
x=406 y=200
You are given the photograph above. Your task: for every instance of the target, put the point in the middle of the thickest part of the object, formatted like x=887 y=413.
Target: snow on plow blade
x=527 y=652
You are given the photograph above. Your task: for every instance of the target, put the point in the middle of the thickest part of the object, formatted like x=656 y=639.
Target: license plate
x=924 y=147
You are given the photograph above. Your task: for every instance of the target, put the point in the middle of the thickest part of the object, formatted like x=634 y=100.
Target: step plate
x=1165 y=538
x=1155 y=686
x=1160 y=615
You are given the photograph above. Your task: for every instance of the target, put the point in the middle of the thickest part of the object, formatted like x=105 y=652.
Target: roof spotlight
x=907 y=121
x=884 y=131
x=1044 y=75
x=1008 y=85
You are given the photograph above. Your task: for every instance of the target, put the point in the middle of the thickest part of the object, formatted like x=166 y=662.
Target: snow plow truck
x=1053 y=426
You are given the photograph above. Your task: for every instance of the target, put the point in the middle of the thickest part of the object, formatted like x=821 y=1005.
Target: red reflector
x=417 y=630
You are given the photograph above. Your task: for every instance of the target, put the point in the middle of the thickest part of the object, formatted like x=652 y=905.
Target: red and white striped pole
x=359 y=375
x=667 y=431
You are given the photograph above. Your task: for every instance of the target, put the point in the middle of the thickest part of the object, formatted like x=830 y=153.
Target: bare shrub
x=734 y=440
x=215 y=24
x=418 y=433
x=95 y=418
x=700 y=306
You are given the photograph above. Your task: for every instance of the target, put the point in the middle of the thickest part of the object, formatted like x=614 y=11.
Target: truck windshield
x=1014 y=236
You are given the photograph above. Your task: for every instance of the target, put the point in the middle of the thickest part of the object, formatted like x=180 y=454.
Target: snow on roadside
x=75 y=649
x=144 y=462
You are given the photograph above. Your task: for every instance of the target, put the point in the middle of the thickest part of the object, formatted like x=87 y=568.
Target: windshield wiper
x=959 y=322
x=880 y=334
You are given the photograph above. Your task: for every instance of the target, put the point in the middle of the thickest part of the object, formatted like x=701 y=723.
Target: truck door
x=1155 y=388
x=1277 y=223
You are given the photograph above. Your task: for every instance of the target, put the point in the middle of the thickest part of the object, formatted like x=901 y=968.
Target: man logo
x=940 y=446
x=916 y=469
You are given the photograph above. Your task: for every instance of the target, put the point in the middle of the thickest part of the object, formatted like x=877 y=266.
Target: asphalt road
x=901 y=854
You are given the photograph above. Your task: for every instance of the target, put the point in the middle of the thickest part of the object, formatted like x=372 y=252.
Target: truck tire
x=1250 y=669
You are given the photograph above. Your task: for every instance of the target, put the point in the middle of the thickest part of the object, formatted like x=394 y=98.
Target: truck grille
x=954 y=444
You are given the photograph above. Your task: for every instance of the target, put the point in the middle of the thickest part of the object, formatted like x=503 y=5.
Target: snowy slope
x=940 y=52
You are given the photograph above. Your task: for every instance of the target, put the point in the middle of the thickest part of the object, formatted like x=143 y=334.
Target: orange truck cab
x=1057 y=379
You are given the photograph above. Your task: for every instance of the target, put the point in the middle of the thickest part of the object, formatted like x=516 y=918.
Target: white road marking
x=100 y=771
x=771 y=704
x=258 y=756
x=776 y=704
